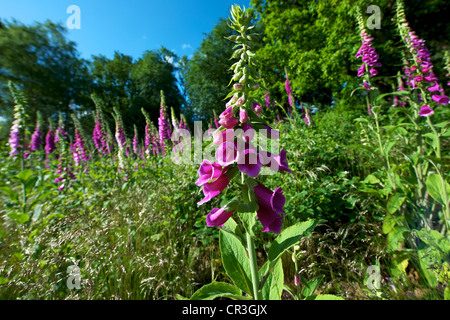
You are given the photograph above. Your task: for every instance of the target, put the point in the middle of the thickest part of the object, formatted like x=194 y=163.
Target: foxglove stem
x=438 y=146
x=383 y=152
x=253 y=267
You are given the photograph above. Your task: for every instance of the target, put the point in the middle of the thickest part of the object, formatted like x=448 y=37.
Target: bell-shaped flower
x=425 y=111
x=227 y=153
x=275 y=162
x=270 y=207
x=228 y=123
x=212 y=189
x=441 y=99
x=217 y=217
x=249 y=163
x=208 y=172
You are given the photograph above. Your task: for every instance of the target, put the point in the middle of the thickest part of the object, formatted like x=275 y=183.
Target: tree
x=316 y=41
x=45 y=66
x=130 y=85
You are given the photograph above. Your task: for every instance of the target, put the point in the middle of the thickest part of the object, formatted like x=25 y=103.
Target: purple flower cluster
x=163 y=125
x=36 y=139
x=135 y=142
x=49 y=143
x=99 y=137
x=237 y=154
x=267 y=100
x=420 y=74
x=78 y=149
x=289 y=92
x=369 y=57
x=15 y=139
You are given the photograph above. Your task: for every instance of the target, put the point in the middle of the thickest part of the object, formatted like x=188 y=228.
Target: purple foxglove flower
x=99 y=137
x=212 y=189
x=243 y=117
x=228 y=123
x=425 y=111
x=361 y=70
x=240 y=101
x=135 y=143
x=228 y=113
x=216 y=122
x=275 y=162
x=366 y=85
x=79 y=151
x=36 y=139
x=434 y=88
x=220 y=137
x=217 y=217
x=14 y=140
x=249 y=133
x=257 y=109
x=237 y=86
x=297 y=280
x=49 y=142
x=431 y=78
x=418 y=79
x=373 y=72
x=441 y=99
x=267 y=99
x=208 y=172
x=287 y=84
x=249 y=163
x=227 y=153
x=147 y=139
x=270 y=207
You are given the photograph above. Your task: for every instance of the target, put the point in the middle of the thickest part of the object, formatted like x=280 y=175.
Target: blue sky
x=130 y=27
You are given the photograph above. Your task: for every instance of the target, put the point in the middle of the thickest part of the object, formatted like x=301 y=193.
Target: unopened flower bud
x=243 y=116
x=297 y=280
x=240 y=101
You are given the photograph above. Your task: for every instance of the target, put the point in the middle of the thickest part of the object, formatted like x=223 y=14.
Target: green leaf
x=25 y=175
x=395 y=238
x=235 y=260
x=248 y=220
x=19 y=217
x=289 y=237
x=371 y=179
x=31 y=182
x=233 y=228
x=434 y=139
x=311 y=286
x=274 y=284
x=215 y=290
x=389 y=223
x=395 y=202
x=447 y=293
x=13 y=196
x=397 y=93
x=436 y=189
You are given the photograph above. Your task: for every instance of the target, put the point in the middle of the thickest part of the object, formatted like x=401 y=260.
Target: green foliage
x=41 y=51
